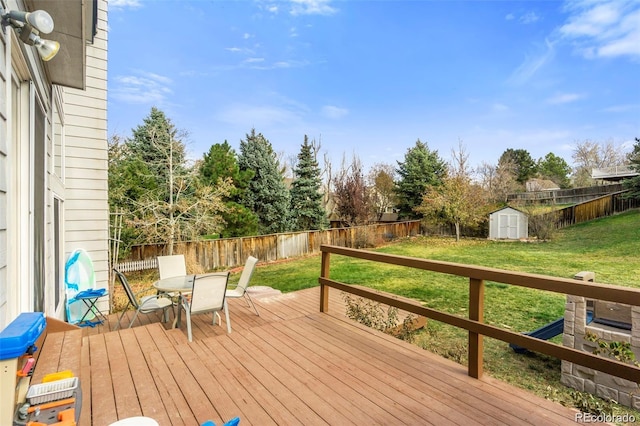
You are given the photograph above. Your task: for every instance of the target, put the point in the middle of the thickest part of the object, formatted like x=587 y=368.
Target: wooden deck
x=292 y=365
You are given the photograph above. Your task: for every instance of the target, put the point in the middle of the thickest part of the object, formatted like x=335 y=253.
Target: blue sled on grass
x=546 y=332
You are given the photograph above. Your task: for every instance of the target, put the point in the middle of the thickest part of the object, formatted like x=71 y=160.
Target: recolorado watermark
x=604 y=418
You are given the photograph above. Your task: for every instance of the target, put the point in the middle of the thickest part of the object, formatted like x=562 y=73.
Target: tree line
x=164 y=198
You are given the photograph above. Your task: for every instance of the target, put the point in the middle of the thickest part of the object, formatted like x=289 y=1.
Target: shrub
x=372 y=315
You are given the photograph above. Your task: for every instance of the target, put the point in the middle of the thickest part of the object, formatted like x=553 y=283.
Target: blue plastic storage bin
x=21 y=334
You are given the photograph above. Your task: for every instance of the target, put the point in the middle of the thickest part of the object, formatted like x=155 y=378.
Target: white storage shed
x=508 y=224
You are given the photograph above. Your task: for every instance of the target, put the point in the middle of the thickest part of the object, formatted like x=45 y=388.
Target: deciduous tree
x=351 y=194
x=589 y=155
x=458 y=201
x=381 y=181
x=172 y=204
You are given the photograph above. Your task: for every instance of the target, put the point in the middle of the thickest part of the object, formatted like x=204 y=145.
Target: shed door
x=508 y=224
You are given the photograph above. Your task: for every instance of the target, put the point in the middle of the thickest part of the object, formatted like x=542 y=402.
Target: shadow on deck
x=292 y=365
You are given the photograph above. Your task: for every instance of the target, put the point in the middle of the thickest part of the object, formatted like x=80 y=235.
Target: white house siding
x=86 y=209
x=25 y=100
x=73 y=168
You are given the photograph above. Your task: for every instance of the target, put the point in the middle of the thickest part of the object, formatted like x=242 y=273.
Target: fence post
x=324 y=273
x=476 y=313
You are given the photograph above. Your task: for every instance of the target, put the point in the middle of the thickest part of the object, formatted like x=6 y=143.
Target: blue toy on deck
x=233 y=422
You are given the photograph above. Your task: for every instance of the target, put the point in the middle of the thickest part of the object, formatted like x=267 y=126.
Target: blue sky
x=372 y=77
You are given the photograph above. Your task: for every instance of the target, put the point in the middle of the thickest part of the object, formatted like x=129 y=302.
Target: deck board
x=85 y=383
x=121 y=377
x=292 y=365
x=150 y=401
x=398 y=374
x=373 y=383
x=154 y=344
x=103 y=405
x=332 y=387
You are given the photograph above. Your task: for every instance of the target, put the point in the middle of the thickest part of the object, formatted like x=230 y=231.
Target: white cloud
x=143 y=88
x=246 y=36
x=565 y=98
x=312 y=7
x=334 y=112
x=532 y=64
x=253 y=60
x=122 y=4
x=243 y=50
x=604 y=29
x=622 y=108
x=498 y=107
x=529 y=18
x=282 y=65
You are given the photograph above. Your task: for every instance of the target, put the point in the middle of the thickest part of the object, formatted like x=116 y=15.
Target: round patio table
x=180 y=284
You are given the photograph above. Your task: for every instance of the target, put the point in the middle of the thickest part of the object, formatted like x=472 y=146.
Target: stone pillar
x=586 y=379
x=575 y=315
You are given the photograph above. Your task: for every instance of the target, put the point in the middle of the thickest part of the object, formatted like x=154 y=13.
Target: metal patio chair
x=240 y=290
x=144 y=305
x=207 y=295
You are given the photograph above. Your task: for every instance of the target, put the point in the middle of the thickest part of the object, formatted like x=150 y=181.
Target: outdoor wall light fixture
x=29 y=25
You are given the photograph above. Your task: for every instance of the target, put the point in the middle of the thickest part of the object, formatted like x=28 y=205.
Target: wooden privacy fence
x=567 y=196
x=474 y=324
x=589 y=210
x=230 y=252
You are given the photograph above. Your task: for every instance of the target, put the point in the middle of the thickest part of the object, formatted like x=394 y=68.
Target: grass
x=606 y=246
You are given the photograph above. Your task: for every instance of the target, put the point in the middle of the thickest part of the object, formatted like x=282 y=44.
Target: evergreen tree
x=221 y=162
x=266 y=195
x=525 y=167
x=155 y=141
x=306 y=200
x=422 y=168
x=554 y=168
x=129 y=176
x=634 y=183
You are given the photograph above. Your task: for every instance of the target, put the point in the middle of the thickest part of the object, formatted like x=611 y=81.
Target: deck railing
x=474 y=324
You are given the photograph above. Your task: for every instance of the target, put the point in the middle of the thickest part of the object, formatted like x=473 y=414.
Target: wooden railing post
x=324 y=290
x=476 y=313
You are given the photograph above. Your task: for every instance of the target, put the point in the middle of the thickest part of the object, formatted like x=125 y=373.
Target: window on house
x=38 y=203
x=57 y=242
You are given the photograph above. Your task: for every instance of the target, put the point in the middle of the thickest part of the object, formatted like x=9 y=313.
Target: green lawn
x=609 y=247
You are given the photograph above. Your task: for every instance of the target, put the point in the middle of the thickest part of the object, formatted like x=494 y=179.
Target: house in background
x=535 y=184
x=53 y=156
x=508 y=224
